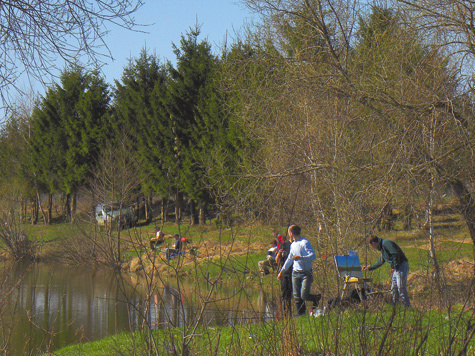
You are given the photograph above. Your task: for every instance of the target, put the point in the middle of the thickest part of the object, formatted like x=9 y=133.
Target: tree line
x=166 y=123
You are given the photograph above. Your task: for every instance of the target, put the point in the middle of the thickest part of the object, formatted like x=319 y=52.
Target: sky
x=168 y=20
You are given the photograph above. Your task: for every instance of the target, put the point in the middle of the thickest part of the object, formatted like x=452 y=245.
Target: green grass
x=231 y=269
x=105 y=347
x=45 y=233
x=341 y=332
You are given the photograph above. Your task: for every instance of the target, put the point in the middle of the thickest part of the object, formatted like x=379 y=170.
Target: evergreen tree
x=139 y=106
x=46 y=145
x=192 y=102
x=69 y=128
x=84 y=109
x=16 y=186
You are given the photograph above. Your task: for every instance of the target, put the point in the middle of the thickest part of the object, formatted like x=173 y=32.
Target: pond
x=50 y=306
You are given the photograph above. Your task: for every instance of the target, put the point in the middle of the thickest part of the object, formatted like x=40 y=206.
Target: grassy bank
x=230 y=255
x=360 y=331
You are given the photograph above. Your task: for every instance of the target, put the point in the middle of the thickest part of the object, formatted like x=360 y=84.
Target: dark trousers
x=286 y=290
x=171 y=252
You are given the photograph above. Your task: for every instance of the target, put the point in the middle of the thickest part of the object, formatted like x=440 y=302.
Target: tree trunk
x=67 y=206
x=74 y=203
x=46 y=217
x=35 y=210
x=387 y=217
x=22 y=204
x=202 y=214
x=407 y=217
x=467 y=207
x=439 y=280
x=164 y=210
x=194 y=219
x=49 y=215
x=148 y=209
x=178 y=207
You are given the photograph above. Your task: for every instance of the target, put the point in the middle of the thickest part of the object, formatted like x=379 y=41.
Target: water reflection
x=55 y=305
x=174 y=308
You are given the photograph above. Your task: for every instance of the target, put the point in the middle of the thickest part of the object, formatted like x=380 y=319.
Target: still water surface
x=51 y=305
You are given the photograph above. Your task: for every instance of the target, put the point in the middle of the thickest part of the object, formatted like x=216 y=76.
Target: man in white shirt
x=300 y=258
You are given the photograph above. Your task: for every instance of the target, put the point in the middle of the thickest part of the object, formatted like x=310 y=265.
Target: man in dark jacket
x=175 y=249
x=286 y=281
x=392 y=253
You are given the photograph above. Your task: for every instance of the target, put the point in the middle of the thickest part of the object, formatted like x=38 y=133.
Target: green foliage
x=45 y=145
x=185 y=138
x=69 y=128
x=349 y=331
x=193 y=105
x=250 y=74
x=14 y=156
x=140 y=111
x=382 y=22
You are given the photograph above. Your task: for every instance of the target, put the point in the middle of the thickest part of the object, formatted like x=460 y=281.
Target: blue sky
x=168 y=20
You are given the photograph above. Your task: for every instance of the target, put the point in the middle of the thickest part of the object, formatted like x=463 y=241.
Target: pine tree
x=190 y=101
x=69 y=128
x=140 y=110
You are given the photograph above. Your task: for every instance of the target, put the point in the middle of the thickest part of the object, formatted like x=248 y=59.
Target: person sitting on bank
x=175 y=249
x=158 y=239
x=270 y=259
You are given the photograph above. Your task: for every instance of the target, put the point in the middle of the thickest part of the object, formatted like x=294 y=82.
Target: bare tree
x=349 y=111
x=115 y=180
x=36 y=34
x=448 y=25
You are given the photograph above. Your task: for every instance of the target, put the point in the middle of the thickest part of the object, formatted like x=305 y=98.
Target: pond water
x=48 y=306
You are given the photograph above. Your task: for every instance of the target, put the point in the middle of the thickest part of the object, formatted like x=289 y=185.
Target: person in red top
x=279 y=239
